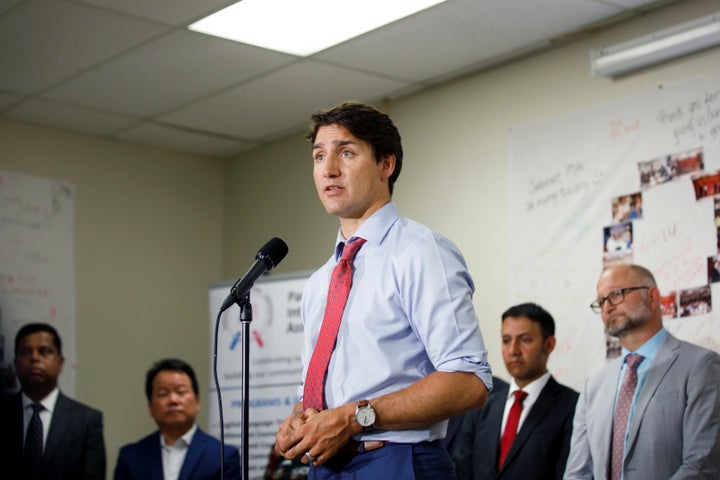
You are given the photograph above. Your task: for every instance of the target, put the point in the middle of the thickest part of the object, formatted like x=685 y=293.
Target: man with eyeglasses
x=653 y=413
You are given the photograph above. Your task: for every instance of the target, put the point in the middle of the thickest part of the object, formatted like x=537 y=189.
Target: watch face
x=365 y=416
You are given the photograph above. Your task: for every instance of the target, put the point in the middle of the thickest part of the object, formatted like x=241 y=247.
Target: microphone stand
x=245 y=319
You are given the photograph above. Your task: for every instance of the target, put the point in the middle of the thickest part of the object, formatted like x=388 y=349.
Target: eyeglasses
x=616 y=297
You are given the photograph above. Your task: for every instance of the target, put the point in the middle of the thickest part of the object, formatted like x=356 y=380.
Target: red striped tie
x=340 y=283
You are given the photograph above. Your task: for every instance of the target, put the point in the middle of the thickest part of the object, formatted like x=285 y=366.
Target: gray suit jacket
x=675 y=430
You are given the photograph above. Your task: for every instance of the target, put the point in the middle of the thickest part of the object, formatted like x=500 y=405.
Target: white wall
x=148 y=241
x=455 y=173
x=153 y=228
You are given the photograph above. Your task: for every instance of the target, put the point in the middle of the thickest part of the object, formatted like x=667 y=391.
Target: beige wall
x=148 y=241
x=455 y=173
x=153 y=228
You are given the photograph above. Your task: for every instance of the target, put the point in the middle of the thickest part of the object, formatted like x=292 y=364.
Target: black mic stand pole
x=245 y=319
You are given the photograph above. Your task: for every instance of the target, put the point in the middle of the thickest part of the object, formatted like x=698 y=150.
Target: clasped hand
x=319 y=434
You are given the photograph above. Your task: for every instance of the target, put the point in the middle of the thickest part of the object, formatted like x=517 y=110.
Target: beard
x=629 y=321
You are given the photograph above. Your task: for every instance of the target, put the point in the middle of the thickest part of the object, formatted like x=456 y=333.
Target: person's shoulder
x=213 y=441
x=10 y=403
x=143 y=443
x=416 y=235
x=564 y=389
x=76 y=406
x=695 y=349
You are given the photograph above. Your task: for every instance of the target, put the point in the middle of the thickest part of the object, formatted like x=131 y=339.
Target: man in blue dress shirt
x=408 y=353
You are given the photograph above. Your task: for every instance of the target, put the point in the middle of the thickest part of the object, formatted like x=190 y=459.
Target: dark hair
x=173 y=364
x=535 y=313
x=366 y=123
x=31 y=328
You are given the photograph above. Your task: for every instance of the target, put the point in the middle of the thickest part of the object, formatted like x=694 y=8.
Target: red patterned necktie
x=340 y=283
x=511 y=426
x=622 y=411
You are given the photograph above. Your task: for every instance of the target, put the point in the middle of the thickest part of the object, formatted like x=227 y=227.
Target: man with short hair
x=179 y=450
x=393 y=346
x=654 y=412
x=43 y=433
x=536 y=444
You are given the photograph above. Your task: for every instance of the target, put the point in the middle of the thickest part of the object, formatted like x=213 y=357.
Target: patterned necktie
x=511 y=426
x=33 y=451
x=622 y=411
x=340 y=283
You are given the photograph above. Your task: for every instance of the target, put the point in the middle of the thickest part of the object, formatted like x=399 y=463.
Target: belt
x=353 y=446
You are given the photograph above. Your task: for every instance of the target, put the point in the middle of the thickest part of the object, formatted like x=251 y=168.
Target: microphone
x=267 y=258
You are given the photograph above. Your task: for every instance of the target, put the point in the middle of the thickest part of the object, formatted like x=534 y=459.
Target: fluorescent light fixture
x=304 y=27
x=658 y=47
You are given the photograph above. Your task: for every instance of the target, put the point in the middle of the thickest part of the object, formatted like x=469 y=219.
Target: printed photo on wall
x=689 y=161
x=664 y=168
x=613 y=349
x=618 y=243
x=706 y=185
x=717 y=211
x=713 y=266
x=627 y=207
x=695 y=301
x=668 y=305
x=656 y=171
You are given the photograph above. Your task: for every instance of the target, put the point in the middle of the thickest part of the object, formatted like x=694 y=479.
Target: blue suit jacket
x=143 y=460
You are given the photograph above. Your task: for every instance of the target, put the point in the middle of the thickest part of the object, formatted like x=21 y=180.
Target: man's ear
x=550 y=344
x=388 y=166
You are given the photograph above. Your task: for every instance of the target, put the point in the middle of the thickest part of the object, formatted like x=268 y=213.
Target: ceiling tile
x=6 y=100
x=168 y=72
x=66 y=38
x=172 y=12
x=459 y=34
x=283 y=100
x=68 y=118
x=6 y=5
x=182 y=139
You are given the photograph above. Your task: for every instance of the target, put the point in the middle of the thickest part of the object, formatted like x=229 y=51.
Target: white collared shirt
x=173 y=456
x=46 y=413
x=532 y=389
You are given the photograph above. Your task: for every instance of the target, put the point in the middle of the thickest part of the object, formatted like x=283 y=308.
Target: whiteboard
x=37 y=267
x=569 y=178
x=276 y=342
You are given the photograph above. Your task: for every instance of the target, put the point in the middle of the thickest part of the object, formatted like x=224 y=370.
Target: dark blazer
x=541 y=446
x=455 y=423
x=143 y=460
x=74 y=449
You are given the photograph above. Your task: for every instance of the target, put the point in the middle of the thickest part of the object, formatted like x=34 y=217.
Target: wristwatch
x=365 y=415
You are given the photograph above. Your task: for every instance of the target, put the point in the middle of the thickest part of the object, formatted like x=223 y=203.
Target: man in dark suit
x=536 y=443
x=453 y=438
x=179 y=449
x=68 y=435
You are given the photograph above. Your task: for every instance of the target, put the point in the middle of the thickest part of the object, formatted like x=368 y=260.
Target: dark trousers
x=394 y=461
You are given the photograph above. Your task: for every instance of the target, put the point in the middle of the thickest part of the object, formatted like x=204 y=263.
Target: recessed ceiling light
x=304 y=27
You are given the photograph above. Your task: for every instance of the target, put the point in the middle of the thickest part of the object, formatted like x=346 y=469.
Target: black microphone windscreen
x=273 y=252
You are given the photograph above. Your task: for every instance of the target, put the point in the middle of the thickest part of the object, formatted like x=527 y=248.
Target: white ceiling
x=130 y=70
